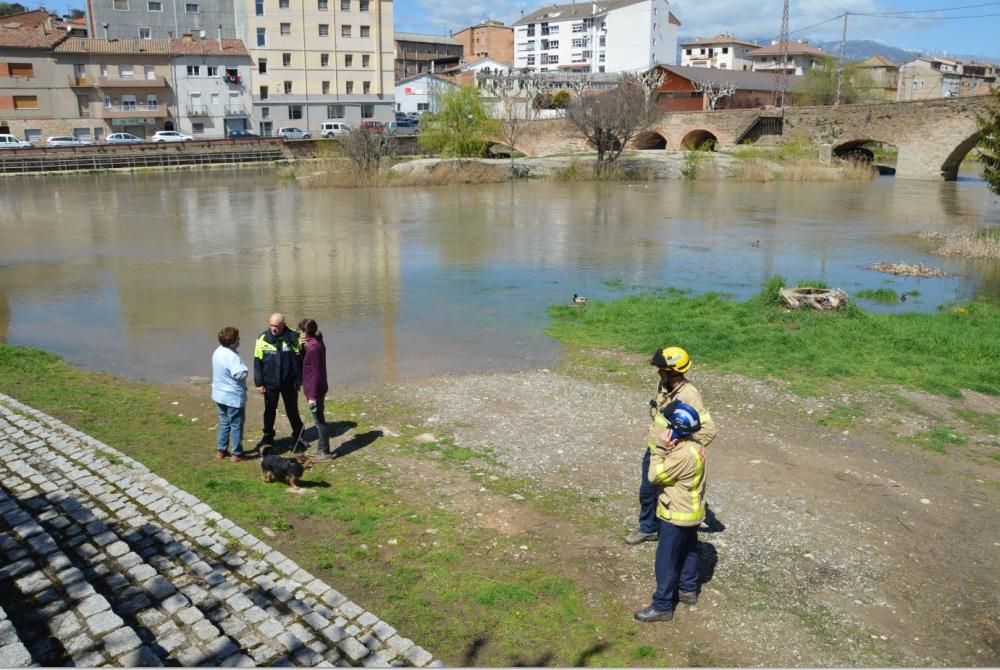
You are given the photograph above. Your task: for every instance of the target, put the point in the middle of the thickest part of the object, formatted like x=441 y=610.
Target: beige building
x=489 y=39
x=801 y=58
x=884 y=76
x=929 y=77
x=319 y=60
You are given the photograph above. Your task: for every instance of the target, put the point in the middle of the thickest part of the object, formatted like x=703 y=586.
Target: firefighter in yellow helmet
x=671 y=363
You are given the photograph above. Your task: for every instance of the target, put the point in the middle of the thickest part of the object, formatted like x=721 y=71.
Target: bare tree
x=514 y=93
x=608 y=119
x=715 y=91
x=368 y=148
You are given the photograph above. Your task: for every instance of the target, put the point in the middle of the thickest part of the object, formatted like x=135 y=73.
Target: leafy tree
x=989 y=143
x=819 y=86
x=461 y=127
x=8 y=8
x=77 y=14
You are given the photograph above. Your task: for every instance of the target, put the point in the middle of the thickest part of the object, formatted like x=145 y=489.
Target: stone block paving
x=106 y=563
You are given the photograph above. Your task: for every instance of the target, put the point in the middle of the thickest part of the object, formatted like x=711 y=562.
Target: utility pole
x=840 y=68
x=783 y=72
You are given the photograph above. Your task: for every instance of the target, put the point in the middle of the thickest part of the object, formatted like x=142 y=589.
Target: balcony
x=136 y=111
x=197 y=110
x=158 y=81
x=237 y=110
x=81 y=81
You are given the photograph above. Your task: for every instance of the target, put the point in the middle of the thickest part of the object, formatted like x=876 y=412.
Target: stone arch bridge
x=932 y=136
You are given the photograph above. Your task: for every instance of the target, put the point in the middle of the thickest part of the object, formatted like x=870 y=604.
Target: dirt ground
x=827 y=545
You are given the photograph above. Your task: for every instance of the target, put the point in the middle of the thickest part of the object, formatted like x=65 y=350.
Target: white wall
x=214 y=123
x=423 y=90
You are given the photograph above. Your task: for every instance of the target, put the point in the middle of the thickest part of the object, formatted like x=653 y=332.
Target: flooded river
x=135 y=274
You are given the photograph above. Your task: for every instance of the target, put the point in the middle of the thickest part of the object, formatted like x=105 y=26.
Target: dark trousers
x=676 y=563
x=648 y=521
x=291 y=399
x=322 y=429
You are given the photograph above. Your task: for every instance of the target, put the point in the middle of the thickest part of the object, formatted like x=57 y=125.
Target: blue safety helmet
x=682 y=418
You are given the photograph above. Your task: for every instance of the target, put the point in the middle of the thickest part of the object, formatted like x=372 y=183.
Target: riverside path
x=105 y=563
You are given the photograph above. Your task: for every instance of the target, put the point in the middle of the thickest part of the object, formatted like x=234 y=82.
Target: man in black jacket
x=277 y=370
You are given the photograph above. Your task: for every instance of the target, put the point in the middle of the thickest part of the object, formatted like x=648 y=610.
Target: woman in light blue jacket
x=229 y=391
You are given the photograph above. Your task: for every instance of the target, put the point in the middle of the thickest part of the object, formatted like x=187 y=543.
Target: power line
x=925 y=18
x=931 y=11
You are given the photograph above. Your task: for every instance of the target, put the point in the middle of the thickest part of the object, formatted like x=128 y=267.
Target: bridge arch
x=949 y=169
x=700 y=138
x=650 y=140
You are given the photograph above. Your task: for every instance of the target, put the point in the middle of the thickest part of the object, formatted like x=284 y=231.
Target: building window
x=265 y=112
x=197 y=128
x=288 y=87
x=154 y=6
x=213 y=71
x=21 y=69
x=120 y=5
x=144 y=33
x=295 y=111
x=125 y=71
x=345 y=5
x=423 y=106
x=363 y=5
x=263 y=92
x=348 y=60
x=282 y=4
x=259 y=7
x=325 y=87
x=262 y=37
x=334 y=111
x=366 y=31
x=322 y=5
x=286 y=60
x=366 y=87
x=324 y=29
x=191 y=8
x=286 y=28
x=531 y=59
x=366 y=60
x=345 y=31
x=25 y=102
x=262 y=65
x=725 y=50
x=687 y=51
x=367 y=111
x=348 y=87
x=324 y=60
x=194 y=70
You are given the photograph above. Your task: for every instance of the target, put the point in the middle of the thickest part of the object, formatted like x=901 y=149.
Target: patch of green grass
x=109 y=456
x=643 y=651
x=841 y=416
x=939 y=438
x=885 y=296
x=812 y=350
x=505 y=595
x=986 y=422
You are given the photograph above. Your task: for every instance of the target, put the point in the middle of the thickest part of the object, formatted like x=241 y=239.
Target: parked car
x=406 y=123
x=66 y=141
x=13 y=142
x=332 y=128
x=123 y=138
x=171 y=136
x=238 y=133
x=373 y=126
x=294 y=134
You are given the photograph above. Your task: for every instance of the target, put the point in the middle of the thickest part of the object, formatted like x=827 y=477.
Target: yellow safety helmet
x=672 y=358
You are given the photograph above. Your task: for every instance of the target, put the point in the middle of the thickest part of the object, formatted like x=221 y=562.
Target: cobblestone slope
x=105 y=563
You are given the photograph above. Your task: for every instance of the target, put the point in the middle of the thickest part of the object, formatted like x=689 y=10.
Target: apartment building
x=724 y=52
x=801 y=58
x=883 y=75
x=931 y=77
x=161 y=19
x=417 y=53
x=489 y=39
x=212 y=85
x=319 y=60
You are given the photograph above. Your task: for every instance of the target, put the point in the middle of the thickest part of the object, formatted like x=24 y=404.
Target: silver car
x=123 y=138
x=294 y=134
x=67 y=141
x=170 y=136
x=13 y=142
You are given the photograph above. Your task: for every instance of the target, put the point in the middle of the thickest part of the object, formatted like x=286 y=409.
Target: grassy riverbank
x=953 y=349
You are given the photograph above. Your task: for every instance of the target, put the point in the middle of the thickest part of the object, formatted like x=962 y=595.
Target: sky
x=979 y=35
x=933 y=32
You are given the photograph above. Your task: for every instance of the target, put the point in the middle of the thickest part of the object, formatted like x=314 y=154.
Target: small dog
x=286 y=470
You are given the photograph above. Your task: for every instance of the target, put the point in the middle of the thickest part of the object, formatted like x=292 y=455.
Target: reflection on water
x=135 y=274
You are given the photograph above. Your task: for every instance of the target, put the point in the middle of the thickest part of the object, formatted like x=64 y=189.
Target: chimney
x=105 y=26
x=187 y=37
x=220 y=37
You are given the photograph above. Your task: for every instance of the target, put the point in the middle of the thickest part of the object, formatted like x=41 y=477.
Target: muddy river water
x=135 y=274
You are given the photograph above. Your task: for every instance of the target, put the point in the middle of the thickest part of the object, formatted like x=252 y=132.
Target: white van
x=13 y=142
x=332 y=128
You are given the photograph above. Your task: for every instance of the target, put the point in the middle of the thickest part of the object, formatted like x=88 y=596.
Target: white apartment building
x=211 y=86
x=420 y=93
x=801 y=58
x=609 y=36
x=724 y=52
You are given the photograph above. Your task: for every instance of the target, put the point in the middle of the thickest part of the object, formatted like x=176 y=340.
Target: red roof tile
x=207 y=47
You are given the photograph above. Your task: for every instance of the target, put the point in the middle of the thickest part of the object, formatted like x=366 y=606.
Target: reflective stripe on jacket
x=681 y=472
x=277 y=360
x=687 y=394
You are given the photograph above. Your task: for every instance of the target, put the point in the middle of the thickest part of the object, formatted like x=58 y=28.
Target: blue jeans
x=648 y=521
x=676 y=563
x=231 y=428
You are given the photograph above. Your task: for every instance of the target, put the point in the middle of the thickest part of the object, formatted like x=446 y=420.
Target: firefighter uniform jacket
x=277 y=360
x=688 y=394
x=680 y=470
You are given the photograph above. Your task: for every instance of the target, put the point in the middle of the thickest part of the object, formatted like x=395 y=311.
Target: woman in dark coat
x=314 y=384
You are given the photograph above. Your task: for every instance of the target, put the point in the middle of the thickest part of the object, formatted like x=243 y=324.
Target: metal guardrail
x=27 y=162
